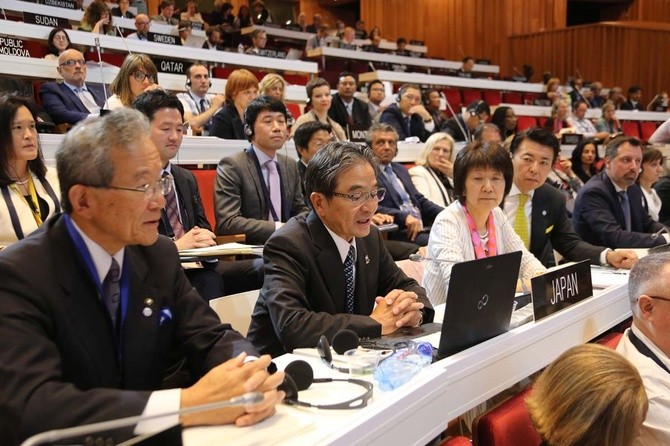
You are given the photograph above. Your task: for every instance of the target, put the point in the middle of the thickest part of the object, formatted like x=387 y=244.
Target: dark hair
x=576 y=159
x=479 y=154
x=481 y=128
x=467 y=58
x=9 y=106
x=498 y=118
x=261 y=104
x=51 y=48
x=376 y=81
x=634 y=89
x=328 y=163
x=151 y=101
x=94 y=13
x=347 y=74
x=197 y=64
x=540 y=136
x=165 y=3
x=613 y=146
x=305 y=132
x=401 y=40
x=649 y=155
x=576 y=104
x=314 y=83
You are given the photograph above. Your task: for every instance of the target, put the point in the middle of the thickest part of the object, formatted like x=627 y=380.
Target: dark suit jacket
x=628 y=105
x=392 y=202
x=451 y=126
x=239 y=202
x=598 y=217
x=58 y=362
x=116 y=12
x=360 y=113
x=393 y=116
x=303 y=295
x=64 y=106
x=662 y=187
x=190 y=203
x=227 y=124
x=551 y=227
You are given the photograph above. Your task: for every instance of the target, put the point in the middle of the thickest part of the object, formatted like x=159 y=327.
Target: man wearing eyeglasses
x=408 y=116
x=72 y=100
x=329 y=270
x=95 y=306
x=142 y=26
x=646 y=344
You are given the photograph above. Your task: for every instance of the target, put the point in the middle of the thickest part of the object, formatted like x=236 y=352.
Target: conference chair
x=647 y=129
x=630 y=128
x=610 y=340
x=456 y=441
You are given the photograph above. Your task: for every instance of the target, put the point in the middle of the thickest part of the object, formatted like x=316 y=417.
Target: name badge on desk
x=560 y=288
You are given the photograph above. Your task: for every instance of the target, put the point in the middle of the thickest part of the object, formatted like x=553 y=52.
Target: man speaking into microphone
x=330 y=270
x=94 y=307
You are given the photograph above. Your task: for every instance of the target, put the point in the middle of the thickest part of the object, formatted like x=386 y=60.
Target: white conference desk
x=417 y=412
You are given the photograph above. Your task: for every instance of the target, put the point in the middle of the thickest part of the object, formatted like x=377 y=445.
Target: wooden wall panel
x=330 y=15
x=648 y=11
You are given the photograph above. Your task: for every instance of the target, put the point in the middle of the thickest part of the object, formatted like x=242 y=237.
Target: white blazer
x=429 y=185
x=25 y=215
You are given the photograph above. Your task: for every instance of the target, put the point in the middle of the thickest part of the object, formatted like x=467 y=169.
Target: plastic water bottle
x=402 y=365
x=240 y=48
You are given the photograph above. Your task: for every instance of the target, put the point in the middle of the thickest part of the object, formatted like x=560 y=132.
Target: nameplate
x=483 y=62
x=41 y=19
x=358 y=133
x=293 y=27
x=170 y=66
x=571 y=138
x=163 y=38
x=60 y=4
x=272 y=53
x=560 y=288
x=196 y=25
x=11 y=46
x=520 y=79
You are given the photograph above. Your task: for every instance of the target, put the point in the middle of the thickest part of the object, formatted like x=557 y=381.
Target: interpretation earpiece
x=345 y=340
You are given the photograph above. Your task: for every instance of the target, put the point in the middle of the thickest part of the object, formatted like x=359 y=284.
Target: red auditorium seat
x=512 y=97
x=647 y=129
x=610 y=340
x=528 y=98
x=525 y=122
x=453 y=96
x=222 y=72
x=456 y=441
x=492 y=97
x=296 y=79
x=630 y=128
x=205 y=179
x=541 y=121
x=115 y=59
x=294 y=109
x=507 y=424
x=470 y=96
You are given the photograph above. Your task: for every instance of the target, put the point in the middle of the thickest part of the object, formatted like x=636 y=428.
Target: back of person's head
x=537 y=135
x=484 y=155
x=314 y=83
x=132 y=63
x=589 y=396
x=239 y=80
x=85 y=156
x=261 y=104
x=487 y=132
x=613 y=145
x=304 y=133
x=151 y=101
x=478 y=107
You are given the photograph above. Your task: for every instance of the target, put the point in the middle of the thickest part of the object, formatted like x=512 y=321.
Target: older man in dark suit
x=347 y=110
x=73 y=100
x=94 y=306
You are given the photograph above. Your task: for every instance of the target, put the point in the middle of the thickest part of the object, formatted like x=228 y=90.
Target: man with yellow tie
x=537 y=210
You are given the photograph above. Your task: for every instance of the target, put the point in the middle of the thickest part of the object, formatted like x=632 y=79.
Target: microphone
x=420 y=258
x=656 y=234
x=123 y=39
x=3 y=13
x=371 y=65
x=102 y=74
x=55 y=435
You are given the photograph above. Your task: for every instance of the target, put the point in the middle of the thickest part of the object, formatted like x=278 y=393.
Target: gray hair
x=380 y=127
x=422 y=159
x=613 y=146
x=84 y=154
x=646 y=277
x=327 y=164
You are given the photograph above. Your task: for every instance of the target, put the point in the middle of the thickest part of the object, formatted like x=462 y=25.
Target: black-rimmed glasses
x=141 y=75
x=72 y=62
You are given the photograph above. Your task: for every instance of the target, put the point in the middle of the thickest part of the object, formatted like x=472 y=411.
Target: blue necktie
x=397 y=185
x=349 y=281
x=625 y=207
x=111 y=291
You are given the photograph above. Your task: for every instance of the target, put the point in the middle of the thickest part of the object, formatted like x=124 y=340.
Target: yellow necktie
x=520 y=220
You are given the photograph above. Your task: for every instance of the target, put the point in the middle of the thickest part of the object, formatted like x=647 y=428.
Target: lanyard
x=33 y=204
x=264 y=187
x=480 y=251
x=646 y=351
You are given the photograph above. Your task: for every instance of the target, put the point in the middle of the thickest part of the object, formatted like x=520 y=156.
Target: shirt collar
x=514 y=191
x=657 y=351
x=262 y=156
x=74 y=88
x=342 y=245
x=101 y=259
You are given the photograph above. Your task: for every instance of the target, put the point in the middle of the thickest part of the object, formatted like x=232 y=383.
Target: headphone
x=188 y=74
x=401 y=91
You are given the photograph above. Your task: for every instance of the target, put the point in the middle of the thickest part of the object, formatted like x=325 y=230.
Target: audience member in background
x=374 y=33
x=647 y=344
x=222 y=15
x=487 y=133
x=433 y=101
x=243 y=19
x=400 y=44
x=346 y=109
x=609 y=209
x=346 y=41
x=411 y=211
x=185 y=31
x=241 y=89
x=30 y=191
x=558 y=122
x=142 y=26
x=538 y=212
x=552 y=92
x=659 y=103
x=72 y=100
x=467 y=65
x=301 y=21
x=597 y=99
x=309 y=138
x=73 y=345
x=616 y=96
x=319 y=39
x=192 y=15
x=122 y=10
x=408 y=116
x=361 y=33
x=274 y=85
x=563 y=178
x=258 y=190
x=376 y=95
x=316 y=24
x=505 y=118
x=433 y=175
x=199 y=105
x=582 y=124
x=650 y=172
x=166 y=9
x=137 y=75
x=260 y=14
x=214 y=39
x=589 y=396
x=319 y=98
x=585 y=159
x=97 y=19
x=662 y=188
x=307 y=291
x=633 y=101
x=608 y=122
x=461 y=126
x=258 y=40
x=576 y=90
x=474 y=226
x=58 y=42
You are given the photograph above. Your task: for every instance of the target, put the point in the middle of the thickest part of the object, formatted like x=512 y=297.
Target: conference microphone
x=87 y=429
x=123 y=39
x=102 y=74
x=656 y=234
x=420 y=258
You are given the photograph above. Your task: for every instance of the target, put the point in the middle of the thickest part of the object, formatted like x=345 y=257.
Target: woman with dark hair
x=59 y=41
x=29 y=191
x=222 y=15
x=97 y=19
x=241 y=89
x=585 y=159
x=650 y=172
x=320 y=99
x=243 y=19
x=137 y=75
x=505 y=118
x=474 y=226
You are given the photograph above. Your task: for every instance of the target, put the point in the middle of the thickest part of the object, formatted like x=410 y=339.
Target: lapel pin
x=367 y=259
x=147 y=311
x=544 y=213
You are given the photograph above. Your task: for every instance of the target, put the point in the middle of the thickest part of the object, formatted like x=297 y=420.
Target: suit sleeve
x=52 y=102
x=390 y=118
x=566 y=241
x=222 y=127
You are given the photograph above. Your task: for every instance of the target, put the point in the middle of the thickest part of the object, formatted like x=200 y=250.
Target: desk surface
x=418 y=411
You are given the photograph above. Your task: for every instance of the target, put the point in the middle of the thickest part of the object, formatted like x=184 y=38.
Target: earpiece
x=248 y=131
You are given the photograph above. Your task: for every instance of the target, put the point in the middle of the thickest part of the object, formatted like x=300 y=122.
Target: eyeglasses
x=659 y=298
x=60 y=37
x=150 y=191
x=141 y=75
x=361 y=197
x=72 y=62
